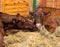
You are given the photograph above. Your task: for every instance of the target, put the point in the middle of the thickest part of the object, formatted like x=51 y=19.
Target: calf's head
x=39 y=15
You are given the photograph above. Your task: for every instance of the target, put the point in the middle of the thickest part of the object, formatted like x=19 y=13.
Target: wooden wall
x=0 y=5
x=25 y=6
x=38 y=3
x=31 y=5
x=52 y=3
x=15 y=6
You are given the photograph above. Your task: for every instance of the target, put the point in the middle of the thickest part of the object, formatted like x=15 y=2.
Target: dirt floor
x=25 y=38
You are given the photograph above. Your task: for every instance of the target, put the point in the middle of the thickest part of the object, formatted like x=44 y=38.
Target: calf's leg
x=1 y=35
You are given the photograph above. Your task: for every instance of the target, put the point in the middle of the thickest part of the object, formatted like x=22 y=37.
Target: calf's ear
x=31 y=13
x=47 y=13
x=18 y=14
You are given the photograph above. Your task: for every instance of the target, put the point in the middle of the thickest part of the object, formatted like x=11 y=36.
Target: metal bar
x=34 y=4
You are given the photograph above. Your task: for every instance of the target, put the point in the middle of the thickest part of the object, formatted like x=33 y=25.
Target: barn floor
x=25 y=38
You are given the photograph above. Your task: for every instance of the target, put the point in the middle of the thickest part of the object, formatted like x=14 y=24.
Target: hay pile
x=25 y=38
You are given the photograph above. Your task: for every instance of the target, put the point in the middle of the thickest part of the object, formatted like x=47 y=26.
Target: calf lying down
x=13 y=22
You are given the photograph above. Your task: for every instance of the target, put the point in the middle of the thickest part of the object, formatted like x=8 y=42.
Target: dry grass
x=23 y=38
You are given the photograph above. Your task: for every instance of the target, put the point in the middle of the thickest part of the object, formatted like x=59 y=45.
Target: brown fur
x=52 y=20
x=12 y=22
x=49 y=17
x=1 y=35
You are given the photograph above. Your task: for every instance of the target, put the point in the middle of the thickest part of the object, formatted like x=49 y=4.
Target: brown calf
x=12 y=22
x=49 y=17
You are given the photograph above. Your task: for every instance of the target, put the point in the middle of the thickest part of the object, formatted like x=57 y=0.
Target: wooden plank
x=38 y=3
x=16 y=6
x=57 y=3
x=0 y=5
x=43 y=3
x=31 y=5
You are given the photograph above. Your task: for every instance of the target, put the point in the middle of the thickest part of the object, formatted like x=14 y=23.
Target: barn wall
x=31 y=5
x=25 y=6
x=16 y=6
x=49 y=3
x=0 y=6
x=38 y=3
x=52 y=3
x=58 y=3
